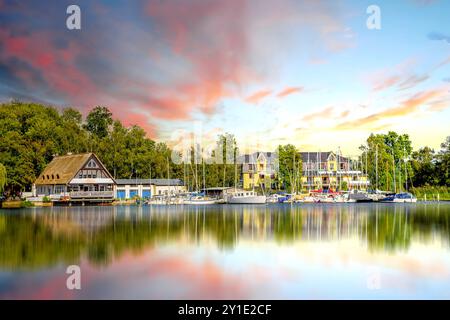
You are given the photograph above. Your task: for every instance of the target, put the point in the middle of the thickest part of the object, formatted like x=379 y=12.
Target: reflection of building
x=327 y=170
x=259 y=169
x=146 y=188
x=78 y=176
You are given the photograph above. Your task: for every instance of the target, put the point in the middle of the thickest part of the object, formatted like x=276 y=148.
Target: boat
x=246 y=197
x=404 y=197
x=359 y=196
x=273 y=198
x=199 y=200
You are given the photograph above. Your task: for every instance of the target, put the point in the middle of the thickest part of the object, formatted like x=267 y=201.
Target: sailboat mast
x=406 y=171
x=376 y=166
x=393 y=168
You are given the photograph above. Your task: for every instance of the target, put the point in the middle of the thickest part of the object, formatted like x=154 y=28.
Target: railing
x=91 y=194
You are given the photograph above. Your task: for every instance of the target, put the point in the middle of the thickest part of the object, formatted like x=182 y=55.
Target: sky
x=309 y=73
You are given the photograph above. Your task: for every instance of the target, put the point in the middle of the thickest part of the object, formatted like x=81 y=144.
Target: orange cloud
x=289 y=90
x=318 y=115
x=407 y=107
x=386 y=83
x=256 y=97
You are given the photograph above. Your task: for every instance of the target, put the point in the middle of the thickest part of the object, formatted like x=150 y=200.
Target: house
x=328 y=170
x=75 y=177
x=147 y=188
x=259 y=169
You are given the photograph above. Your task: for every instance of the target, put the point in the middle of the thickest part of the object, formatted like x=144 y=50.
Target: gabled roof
x=271 y=157
x=62 y=169
x=323 y=156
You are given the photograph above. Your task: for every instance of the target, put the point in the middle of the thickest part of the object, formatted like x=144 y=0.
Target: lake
x=279 y=251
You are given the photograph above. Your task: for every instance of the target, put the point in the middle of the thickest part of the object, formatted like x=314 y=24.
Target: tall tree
x=98 y=121
x=2 y=178
x=290 y=167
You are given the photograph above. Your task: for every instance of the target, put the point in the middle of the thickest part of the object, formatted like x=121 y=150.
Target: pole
x=406 y=171
x=376 y=166
x=393 y=167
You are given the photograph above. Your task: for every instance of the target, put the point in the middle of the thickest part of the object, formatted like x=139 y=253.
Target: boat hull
x=247 y=200
x=199 y=202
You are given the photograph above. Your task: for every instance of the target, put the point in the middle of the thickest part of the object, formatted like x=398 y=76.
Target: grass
x=432 y=193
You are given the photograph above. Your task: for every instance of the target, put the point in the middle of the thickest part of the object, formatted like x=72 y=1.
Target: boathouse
x=147 y=188
x=75 y=177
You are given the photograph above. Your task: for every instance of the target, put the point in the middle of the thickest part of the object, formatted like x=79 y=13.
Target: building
x=259 y=169
x=147 y=188
x=75 y=177
x=327 y=170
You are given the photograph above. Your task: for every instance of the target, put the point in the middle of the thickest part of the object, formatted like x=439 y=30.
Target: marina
x=278 y=251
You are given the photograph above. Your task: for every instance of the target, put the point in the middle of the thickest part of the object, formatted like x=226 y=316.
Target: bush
x=46 y=199
x=26 y=204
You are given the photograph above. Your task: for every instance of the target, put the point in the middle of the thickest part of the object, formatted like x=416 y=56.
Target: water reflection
x=44 y=237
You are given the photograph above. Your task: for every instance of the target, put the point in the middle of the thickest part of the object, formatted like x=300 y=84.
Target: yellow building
x=327 y=170
x=259 y=169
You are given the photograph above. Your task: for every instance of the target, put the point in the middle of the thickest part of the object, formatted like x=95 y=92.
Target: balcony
x=91 y=195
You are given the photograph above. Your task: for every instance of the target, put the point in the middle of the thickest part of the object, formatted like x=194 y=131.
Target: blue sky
x=308 y=73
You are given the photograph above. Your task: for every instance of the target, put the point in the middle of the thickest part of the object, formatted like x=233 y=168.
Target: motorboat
x=246 y=197
x=199 y=200
x=404 y=197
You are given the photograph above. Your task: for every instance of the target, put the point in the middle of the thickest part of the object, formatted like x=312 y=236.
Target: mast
x=393 y=167
x=376 y=166
x=203 y=173
x=406 y=171
x=308 y=174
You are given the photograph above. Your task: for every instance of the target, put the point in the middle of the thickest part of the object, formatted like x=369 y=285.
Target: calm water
x=346 y=251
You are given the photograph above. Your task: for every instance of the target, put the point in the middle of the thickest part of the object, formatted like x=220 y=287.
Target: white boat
x=404 y=197
x=246 y=197
x=199 y=201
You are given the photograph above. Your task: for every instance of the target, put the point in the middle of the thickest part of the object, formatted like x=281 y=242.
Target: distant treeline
x=32 y=134
x=392 y=164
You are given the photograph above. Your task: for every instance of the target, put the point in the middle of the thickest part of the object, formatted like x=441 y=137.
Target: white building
x=147 y=188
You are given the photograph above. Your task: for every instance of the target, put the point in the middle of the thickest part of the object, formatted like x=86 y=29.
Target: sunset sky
x=271 y=72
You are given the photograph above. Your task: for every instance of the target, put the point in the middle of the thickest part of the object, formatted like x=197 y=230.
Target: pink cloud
x=256 y=97
x=289 y=90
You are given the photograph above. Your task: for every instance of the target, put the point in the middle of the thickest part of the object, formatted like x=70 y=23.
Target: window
x=57 y=176
x=48 y=178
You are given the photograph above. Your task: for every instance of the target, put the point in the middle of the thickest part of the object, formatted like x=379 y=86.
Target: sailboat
x=245 y=197
x=200 y=198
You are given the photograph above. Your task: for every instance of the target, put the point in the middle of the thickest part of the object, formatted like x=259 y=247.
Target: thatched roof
x=62 y=169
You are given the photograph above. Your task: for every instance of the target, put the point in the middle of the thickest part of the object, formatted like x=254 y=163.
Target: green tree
x=443 y=163
x=387 y=156
x=290 y=167
x=424 y=167
x=98 y=121
x=3 y=178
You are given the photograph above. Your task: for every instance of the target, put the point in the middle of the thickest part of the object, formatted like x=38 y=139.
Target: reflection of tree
x=102 y=234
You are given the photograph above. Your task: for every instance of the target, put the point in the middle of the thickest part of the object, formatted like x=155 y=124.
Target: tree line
x=32 y=134
x=392 y=164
